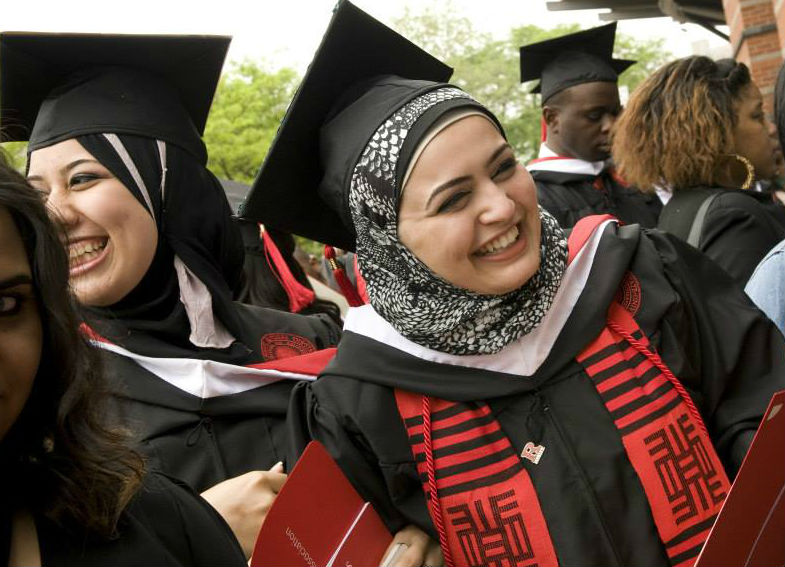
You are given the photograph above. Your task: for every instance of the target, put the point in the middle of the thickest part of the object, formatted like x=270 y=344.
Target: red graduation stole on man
x=662 y=432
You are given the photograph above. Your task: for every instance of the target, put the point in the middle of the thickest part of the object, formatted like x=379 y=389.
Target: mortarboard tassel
x=299 y=295
x=543 y=130
x=347 y=288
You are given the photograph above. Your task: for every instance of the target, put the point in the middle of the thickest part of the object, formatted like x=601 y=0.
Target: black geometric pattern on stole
x=688 y=476
x=498 y=539
x=630 y=384
x=481 y=478
x=607 y=351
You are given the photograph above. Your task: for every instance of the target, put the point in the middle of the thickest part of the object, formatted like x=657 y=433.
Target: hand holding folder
x=318 y=518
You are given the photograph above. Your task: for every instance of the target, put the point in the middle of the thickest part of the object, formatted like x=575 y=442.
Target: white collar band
x=548 y=160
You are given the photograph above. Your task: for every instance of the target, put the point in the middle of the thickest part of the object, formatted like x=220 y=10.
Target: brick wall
x=757 y=34
x=779 y=18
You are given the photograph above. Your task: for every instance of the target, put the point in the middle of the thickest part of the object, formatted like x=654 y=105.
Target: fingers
x=393 y=553
x=274 y=480
x=417 y=546
x=244 y=501
x=414 y=556
x=271 y=480
x=249 y=491
x=434 y=557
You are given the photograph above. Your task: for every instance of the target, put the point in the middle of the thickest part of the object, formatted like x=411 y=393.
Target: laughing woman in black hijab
x=154 y=256
x=524 y=397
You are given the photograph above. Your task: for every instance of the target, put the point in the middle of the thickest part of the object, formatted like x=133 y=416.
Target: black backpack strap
x=694 y=237
x=679 y=216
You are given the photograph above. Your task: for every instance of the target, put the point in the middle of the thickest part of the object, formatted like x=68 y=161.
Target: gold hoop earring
x=750 y=170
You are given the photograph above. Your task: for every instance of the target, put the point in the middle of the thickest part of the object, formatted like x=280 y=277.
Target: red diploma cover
x=750 y=528
x=318 y=518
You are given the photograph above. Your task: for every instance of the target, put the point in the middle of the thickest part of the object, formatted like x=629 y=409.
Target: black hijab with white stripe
x=184 y=299
x=138 y=126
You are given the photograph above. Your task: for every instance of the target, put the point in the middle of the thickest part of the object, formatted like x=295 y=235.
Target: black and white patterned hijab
x=420 y=305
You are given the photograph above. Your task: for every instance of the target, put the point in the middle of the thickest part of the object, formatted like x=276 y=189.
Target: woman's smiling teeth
x=500 y=243
x=84 y=251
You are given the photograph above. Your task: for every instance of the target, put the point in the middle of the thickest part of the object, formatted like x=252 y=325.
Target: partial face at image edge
x=754 y=136
x=21 y=332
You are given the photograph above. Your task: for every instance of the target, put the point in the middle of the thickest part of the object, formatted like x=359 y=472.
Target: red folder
x=750 y=528
x=318 y=518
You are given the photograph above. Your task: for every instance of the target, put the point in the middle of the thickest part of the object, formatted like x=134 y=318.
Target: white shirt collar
x=548 y=160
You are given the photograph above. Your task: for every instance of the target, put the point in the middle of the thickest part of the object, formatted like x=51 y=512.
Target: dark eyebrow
x=13 y=281
x=458 y=180
x=498 y=152
x=445 y=186
x=67 y=168
x=602 y=106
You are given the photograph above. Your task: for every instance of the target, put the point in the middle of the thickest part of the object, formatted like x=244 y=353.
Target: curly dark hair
x=61 y=458
x=678 y=124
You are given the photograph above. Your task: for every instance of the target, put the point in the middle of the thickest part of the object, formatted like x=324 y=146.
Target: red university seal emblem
x=284 y=345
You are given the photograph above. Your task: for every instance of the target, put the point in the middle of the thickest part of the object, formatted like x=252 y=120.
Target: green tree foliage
x=249 y=104
x=489 y=69
x=248 y=107
x=16 y=153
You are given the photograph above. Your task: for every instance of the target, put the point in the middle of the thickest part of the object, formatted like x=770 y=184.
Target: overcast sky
x=286 y=32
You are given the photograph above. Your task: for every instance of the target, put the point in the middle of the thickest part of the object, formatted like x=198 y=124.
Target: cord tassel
x=347 y=288
x=433 y=499
x=299 y=296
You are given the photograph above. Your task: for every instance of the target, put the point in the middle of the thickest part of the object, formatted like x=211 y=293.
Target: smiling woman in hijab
x=114 y=145
x=510 y=391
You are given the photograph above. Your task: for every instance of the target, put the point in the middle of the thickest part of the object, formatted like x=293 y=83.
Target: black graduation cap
x=55 y=86
x=293 y=190
x=582 y=57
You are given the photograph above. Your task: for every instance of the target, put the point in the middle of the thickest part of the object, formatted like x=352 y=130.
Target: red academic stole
x=493 y=515
x=662 y=432
x=486 y=509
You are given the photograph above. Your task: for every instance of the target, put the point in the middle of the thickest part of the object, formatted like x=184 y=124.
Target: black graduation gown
x=165 y=524
x=728 y=355
x=739 y=229
x=205 y=440
x=571 y=196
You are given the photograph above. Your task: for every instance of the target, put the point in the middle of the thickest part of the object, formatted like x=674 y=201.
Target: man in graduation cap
x=580 y=103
